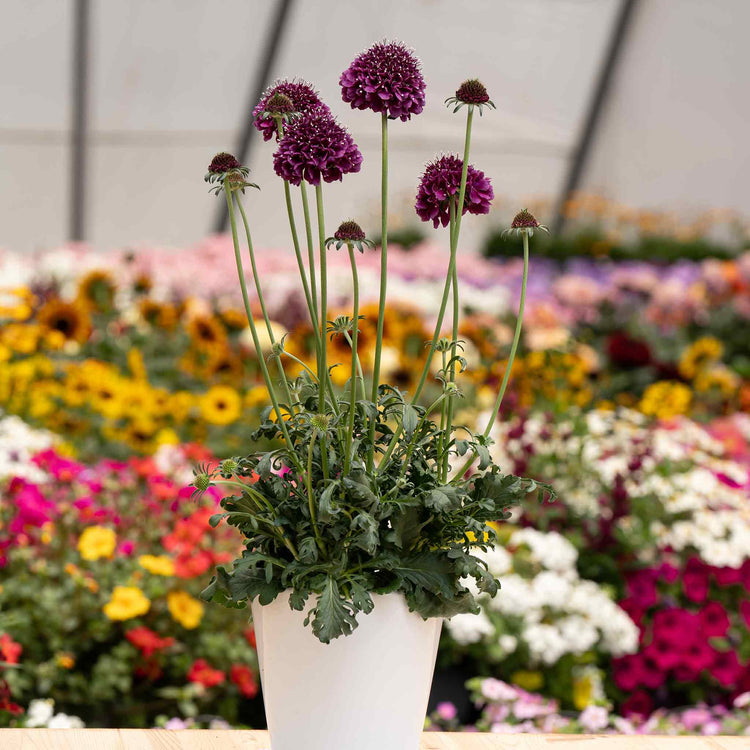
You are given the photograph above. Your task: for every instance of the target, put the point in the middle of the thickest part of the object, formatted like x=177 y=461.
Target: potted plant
x=359 y=529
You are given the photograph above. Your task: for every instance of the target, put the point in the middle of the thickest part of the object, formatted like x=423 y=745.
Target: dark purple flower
x=349 y=230
x=316 y=146
x=223 y=162
x=472 y=91
x=441 y=182
x=524 y=220
x=302 y=95
x=385 y=78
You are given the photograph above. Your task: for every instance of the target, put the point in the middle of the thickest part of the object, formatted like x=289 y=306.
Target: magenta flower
x=303 y=96
x=714 y=620
x=315 y=146
x=385 y=78
x=441 y=182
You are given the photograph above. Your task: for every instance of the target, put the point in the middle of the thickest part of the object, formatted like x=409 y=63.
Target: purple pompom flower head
x=525 y=223
x=315 y=146
x=385 y=78
x=440 y=184
x=303 y=98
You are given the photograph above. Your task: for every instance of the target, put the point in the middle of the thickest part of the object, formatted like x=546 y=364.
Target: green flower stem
x=443 y=415
x=355 y=332
x=310 y=494
x=413 y=442
x=313 y=308
x=454 y=351
x=448 y=276
x=261 y=299
x=359 y=364
x=256 y=340
x=300 y=362
x=310 y=249
x=323 y=360
x=383 y=278
x=511 y=356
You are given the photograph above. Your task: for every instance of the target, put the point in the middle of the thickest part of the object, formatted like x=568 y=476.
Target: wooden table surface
x=158 y=739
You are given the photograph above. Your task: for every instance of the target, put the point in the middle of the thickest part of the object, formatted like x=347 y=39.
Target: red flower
x=5 y=702
x=10 y=651
x=650 y=673
x=676 y=625
x=204 y=674
x=192 y=566
x=242 y=676
x=638 y=704
x=146 y=641
x=714 y=620
x=627 y=352
x=726 y=667
x=250 y=637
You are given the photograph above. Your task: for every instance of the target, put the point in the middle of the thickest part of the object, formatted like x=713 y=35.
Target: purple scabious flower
x=385 y=78
x=441 y=182
x=315 y=146
x=303 y=96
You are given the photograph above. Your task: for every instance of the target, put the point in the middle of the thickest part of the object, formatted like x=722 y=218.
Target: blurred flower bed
x=630 y=592
x=153 y=350
x=596 y=227
x=100 y=568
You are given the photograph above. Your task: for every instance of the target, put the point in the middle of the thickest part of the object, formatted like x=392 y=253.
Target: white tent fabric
x=170 y=81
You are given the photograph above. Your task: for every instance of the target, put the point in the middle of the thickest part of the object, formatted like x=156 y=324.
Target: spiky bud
x=223 y=162
x=472 y=91
x=229 y=466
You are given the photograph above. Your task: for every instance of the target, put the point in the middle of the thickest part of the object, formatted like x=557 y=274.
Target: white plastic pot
x=365 y=691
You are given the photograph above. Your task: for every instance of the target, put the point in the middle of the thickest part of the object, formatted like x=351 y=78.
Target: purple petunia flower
x=315 y=146
x=303 y=96
x=441 y=182
x=385 y=78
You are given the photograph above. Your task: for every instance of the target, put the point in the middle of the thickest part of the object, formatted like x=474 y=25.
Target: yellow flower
x=221 y=405
x=65 y=660
x=666 y=399
x=126 y=602
x=158 y=565
x=185 y=609
x=527 y=680
x=582 y=692
x=96 y=542
x=717 y=377
x=167 y=436
x=702 y=352
x=256 y=397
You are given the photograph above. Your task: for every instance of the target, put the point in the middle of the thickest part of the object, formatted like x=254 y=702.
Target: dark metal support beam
x=612 y=57
x=79 y=125
x=261 y=82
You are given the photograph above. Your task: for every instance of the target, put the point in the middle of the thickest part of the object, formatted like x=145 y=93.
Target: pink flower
x=638 y=704
x=695 y=580
x=446 y=711
x=698 y=656
x=727 y=576
x=726 y=668
x=642 y=588
x=695 y=717
x=665 y=653
x=625 y=672
x=594 y=718
x=714 y=620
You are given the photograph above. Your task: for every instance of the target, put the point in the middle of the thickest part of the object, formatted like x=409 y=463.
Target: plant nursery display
x=353 y=444
x=363 y=521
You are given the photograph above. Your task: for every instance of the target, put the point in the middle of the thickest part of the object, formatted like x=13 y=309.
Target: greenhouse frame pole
x=79 y=125
x=242 y=148
x=612 y=57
